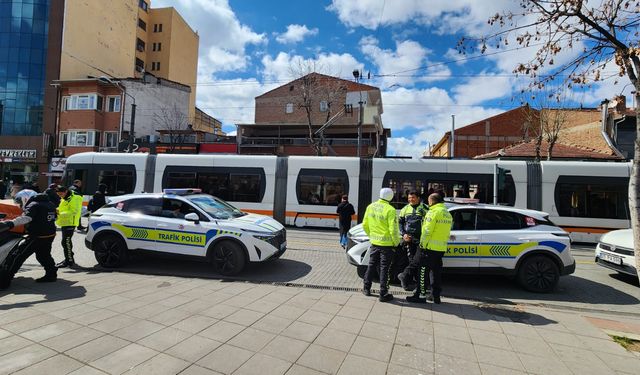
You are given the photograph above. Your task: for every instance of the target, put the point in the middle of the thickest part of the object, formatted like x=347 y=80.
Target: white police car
x=494 y=239
x=186 y=222
x=615 y=251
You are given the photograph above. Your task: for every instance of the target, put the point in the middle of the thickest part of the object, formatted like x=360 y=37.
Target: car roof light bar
x=182 y=191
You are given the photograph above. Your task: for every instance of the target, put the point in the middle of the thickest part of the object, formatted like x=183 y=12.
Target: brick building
x=281 y=123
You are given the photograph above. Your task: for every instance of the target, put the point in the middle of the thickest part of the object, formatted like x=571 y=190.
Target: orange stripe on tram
x=587 y=229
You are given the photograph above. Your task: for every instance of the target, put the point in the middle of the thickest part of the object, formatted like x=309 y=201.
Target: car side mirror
x=192 y=216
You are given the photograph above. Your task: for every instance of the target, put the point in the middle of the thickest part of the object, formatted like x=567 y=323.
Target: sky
x=406 y=47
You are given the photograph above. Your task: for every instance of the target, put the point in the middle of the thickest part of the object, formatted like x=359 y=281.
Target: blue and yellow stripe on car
x=497 y=250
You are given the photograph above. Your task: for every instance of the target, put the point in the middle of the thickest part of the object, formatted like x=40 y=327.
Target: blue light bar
x=182 y=191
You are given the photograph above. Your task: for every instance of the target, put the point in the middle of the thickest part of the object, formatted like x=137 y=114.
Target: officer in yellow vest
x=436 y=229
x=381 y=225
x=69 y=212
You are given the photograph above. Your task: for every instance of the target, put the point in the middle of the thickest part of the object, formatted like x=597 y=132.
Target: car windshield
x=216 y=208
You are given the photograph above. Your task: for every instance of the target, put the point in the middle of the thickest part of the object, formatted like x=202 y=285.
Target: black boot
x=416 y=298
x=366 y=292
x=406 y=285
x=66 y=263
x=386 y=297
x=48 y=278
x=434 y=299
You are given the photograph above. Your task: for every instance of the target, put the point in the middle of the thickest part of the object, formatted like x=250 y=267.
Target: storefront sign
x=57 y=165
x=18 y=154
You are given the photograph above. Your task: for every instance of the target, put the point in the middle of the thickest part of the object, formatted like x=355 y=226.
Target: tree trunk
x=550 y=150
x=538 y=146
x=634 y=189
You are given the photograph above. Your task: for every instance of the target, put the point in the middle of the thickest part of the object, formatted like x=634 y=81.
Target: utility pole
x=453 y=135
x=133 y=125
x=356 y=75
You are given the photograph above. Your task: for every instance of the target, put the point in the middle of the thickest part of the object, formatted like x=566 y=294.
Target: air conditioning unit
x=58 y=152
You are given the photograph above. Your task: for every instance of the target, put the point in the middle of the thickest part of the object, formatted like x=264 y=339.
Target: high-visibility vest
x=381 y=224
x=436 y=228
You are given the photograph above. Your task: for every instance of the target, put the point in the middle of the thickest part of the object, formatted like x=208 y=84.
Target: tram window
x=226 y=184
x=72 y=174
x=577 y=196
x=118 y=182
x=321 y=187
x=498 y=220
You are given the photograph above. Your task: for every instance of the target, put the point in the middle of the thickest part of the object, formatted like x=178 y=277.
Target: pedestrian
x=99 y=199
x=345 y=210
x=35 y=187
x=69 y=212
x=52 y=193
x=38 y=217
x=381 y=225
x=411 y=217
x=77 y=188
x=434 y=238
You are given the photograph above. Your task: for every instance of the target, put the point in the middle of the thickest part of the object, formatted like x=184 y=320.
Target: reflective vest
x=381 y=224
x=411 y=219
x=69 y=211
x=436 y=228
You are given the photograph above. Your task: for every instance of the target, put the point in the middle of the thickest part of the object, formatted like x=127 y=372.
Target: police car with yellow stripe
x=186 y=222
x=494 y=239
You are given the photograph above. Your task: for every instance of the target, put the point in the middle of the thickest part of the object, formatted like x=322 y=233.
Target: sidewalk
x=98 y=322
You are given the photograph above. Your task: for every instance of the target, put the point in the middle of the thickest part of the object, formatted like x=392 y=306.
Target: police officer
x=436 y=228
x=69 y=212
x=381 y=225
x=411 y=217
x=38 y=217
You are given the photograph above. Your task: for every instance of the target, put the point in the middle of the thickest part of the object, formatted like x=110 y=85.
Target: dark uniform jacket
x=345 y=210
x=43 y=216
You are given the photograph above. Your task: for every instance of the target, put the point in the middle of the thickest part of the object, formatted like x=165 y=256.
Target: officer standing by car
x=38 y=217
x=69 y=212
x=411 y=217
x=381 y=225
x=436 y=228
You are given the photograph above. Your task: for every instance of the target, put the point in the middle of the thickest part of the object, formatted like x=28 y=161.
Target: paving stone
x=417 y=325
x=519 y=329
x=164 y=339
x=124 y=359
x=378 y=331
x=59 y=364
x=285 y=348
x=372 y=348
x=451 y=332
x=158 y=365
x=326 y=307
x=114 y=323
x=12 y=343
x=563 y=338
x=87 y=370
x=302 y=331
x=170 y=317
x=391 y=320
x=28 y=324
x=488 y=369
x=620 y=363
x=138 y=330
x=196 y=306
x=317 y=318
x=108 y=301
x=455 y=348
x=126 y=306
x=488 y=338
x=606 y=346
x=483 y=325
x=262 y=306
x=322 y=359
x=222 y=331
x=4 y=334
x=244 y=317
x=421 y=312
x=396 y=369
x=537 y=347
x=94 y=316
x=219 y=311
x=238 y=301
x=252 y=339
x=498 y=357
x=197 y=370
x=413 y=339
x=193 y=348
x=416 y=359
x=342 y=323
x=356 y=365
x=147 y=311
x=24 y=357
x=226 y=359
x=334 y=339
x=97 y=348
x=272 y=323
x=263 y=365
x=548 y=365
x=445 y=364
x=195 y=323
x=74 y=311
x=8 y=318
x=301 y=370
x=288 y=312
x=354 y=313
x=72 y=339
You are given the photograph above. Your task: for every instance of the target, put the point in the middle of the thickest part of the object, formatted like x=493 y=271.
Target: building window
x=142 y=24
x=139 y=65
x=79 y=138
x=113 y=104
x=143 y=5
x=153 y=47
x=110 y=139
x=324 y=106
x=157 y=28
x=140 y=45
x=289 y=108
x=82 y=102
x=159 y=46
x=155 y=65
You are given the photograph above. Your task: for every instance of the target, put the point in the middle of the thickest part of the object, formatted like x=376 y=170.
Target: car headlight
x=359 y=239
x=264 y=236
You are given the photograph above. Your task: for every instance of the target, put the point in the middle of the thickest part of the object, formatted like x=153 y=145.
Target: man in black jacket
x=345 y=211
x=39 y=219
x=52 y=193
x=99 y=199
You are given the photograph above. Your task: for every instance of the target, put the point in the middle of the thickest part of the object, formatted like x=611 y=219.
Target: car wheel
x=228 y=258
x=110 y=251
x=538 y=274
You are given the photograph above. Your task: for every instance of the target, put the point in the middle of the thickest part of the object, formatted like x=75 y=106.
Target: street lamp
x=356 y=75
x=133 y=109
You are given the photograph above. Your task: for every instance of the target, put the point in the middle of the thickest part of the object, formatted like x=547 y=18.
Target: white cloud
x=280 y=68
x=224 y=47
x=295 y=34
x=485 y=87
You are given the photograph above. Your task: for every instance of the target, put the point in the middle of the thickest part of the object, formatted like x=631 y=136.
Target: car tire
x=228 y=258
x=538 y=274
x=110 y=251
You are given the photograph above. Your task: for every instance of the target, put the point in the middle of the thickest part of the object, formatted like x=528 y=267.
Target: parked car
x=615 y=251
x=184 y=222
x=494 y=239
